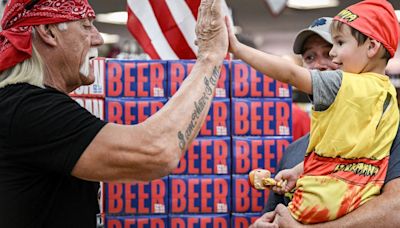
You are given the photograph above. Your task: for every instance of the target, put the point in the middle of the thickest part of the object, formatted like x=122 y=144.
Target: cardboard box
x=132 y=111
x=250 y=83
x=178 y=70
x=206 y=155
x=197 y=221
x=250 y=153
x=136 y=197
x=199 y=194
x=261 y=117
x=246 y=199
x=136 y=78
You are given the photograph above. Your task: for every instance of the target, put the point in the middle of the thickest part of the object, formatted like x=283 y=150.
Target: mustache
x=92 y=53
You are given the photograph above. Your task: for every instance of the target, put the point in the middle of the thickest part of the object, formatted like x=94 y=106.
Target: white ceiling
x=274 y=34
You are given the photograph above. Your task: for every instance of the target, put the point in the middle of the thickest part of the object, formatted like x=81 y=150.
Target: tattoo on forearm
x=199 y=106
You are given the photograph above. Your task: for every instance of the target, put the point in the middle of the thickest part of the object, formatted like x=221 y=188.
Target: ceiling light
x=110 y=38
x=311 y=4
x=119 y=18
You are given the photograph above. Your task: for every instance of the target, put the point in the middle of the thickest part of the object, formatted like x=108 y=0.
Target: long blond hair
x=29 y=71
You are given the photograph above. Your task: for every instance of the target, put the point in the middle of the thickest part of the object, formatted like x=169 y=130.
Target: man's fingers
x=216 y=8
x=280 y=209
x=262 y=224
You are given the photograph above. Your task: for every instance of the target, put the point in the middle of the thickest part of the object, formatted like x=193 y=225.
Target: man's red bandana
x=19 y=17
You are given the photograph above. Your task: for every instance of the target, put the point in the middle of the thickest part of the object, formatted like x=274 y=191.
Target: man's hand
x=211 y=32
x=283 y=218
x=265 y=221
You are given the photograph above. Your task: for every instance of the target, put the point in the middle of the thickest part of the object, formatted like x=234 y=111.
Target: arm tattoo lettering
x=199 y=106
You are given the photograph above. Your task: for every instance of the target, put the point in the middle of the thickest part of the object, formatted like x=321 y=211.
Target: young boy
x=354 y=116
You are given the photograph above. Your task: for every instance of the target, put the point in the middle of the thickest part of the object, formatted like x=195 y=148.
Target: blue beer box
x=199 y=194
x=254 y=152
x=246 y=199
x=178 y=70
x=132 y=111
x=206 y=155
x=261 y=116
x=136 y=78
x=218 y=120
x=199 y=220
x=138 y=221
x=250 y=83
x=136 y=197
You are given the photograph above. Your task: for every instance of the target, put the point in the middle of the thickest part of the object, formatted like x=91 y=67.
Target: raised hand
x=233 y=41
x=211 y=32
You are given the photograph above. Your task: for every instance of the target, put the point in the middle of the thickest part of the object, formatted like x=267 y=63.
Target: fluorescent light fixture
x=119 y=18
x=110 y=38
x=311 y=4
x=398 y=15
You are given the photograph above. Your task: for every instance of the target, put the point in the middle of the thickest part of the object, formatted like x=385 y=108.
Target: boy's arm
x=270 y=65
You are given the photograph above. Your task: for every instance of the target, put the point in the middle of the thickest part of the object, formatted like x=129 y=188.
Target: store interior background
x=256 y=25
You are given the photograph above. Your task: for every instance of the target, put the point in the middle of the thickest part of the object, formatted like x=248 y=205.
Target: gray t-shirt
x=325 y=86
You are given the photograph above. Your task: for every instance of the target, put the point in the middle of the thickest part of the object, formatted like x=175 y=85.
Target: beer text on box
x=217 y=122
x=250 y=153
x=199 y=194
x=150 y=221
x=250 y=83
x=132 y=111
x=261 y=117
x=178 y=70
x=136 y=78
x=245 y=198
x=244 y=220
x=196 y=221
x=93 y=105
x=136 y=197
x=206 y=155
x=97 y=89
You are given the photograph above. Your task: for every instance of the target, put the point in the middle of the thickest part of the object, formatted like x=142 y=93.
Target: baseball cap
x=319 y=26
x=375 y=19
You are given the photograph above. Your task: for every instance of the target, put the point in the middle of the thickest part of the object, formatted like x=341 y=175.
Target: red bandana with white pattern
x=19 y=17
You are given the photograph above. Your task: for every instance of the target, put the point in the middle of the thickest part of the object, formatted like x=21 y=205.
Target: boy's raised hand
x=233 y=41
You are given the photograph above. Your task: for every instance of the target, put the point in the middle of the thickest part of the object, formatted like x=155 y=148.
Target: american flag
x=165 y=29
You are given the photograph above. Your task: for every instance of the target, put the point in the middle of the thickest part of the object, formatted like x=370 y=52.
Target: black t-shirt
x=43 y=134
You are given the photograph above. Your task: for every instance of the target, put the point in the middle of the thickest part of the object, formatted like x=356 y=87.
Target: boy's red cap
x=375 y=19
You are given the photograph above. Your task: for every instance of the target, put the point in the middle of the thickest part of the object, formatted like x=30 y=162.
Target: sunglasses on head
x=30 y=5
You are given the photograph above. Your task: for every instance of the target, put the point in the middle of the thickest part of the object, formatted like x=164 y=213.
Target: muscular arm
x=151 y=149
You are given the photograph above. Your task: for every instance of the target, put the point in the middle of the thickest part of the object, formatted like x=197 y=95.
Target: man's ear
x=46 y=33
x=373 y=47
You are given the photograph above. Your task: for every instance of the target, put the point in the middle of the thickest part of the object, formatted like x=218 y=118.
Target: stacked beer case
x=248 y=126
x=261 y=130
x=200 y=185
x=135 y=90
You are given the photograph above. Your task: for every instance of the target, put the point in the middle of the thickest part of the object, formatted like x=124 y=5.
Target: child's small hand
x=290 y=176
x=233 y=41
